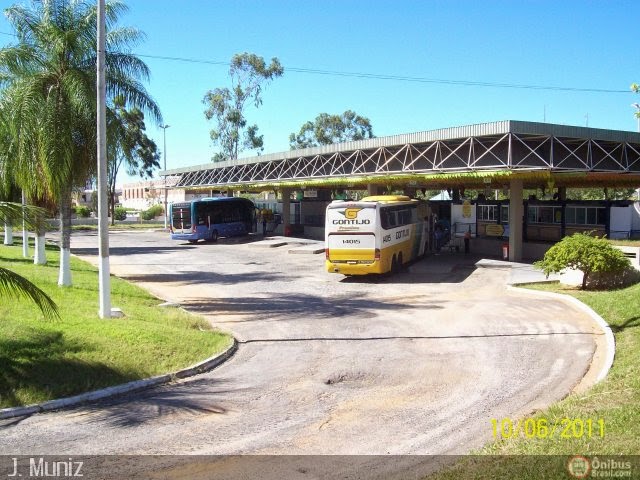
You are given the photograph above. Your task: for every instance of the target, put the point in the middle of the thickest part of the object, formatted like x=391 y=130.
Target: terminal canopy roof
x=483 y=155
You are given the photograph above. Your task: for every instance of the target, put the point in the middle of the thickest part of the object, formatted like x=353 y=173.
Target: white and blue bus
x=210 y=218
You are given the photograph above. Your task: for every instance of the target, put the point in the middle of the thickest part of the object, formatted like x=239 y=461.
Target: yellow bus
x=377 y=234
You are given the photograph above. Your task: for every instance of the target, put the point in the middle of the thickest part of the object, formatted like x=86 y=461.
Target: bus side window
x=384 y=218
x=413 y=209
x=235 y=214
x=404 y=216
x=200 y=214
x=391 y=218
x=216 y=215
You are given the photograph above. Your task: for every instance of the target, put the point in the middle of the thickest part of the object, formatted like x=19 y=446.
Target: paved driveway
x=418 y=363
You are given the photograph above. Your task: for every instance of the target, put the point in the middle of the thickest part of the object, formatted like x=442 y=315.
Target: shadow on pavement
x=197 y=276
x=130 y=250
x=196 y=397
x=297 y=307
x=442 y=268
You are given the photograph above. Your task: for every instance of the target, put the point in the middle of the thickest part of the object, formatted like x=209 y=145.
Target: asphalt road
x=418 y=363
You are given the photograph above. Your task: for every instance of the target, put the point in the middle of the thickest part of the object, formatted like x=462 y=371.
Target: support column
x=562 y=193
x=373 y=190
x=286 y=209
x=516 y=212
x=229 y=193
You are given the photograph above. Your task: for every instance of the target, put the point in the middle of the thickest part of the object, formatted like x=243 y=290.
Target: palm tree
x=12 y=284
x=49 y=80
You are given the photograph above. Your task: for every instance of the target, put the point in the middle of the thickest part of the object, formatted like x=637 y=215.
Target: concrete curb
x=116 y=390
x=604 y=326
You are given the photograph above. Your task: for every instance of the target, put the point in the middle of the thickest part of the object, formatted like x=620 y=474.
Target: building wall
x=144 y=194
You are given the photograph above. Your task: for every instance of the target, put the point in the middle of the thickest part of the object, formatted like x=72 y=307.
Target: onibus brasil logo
x=580 y=467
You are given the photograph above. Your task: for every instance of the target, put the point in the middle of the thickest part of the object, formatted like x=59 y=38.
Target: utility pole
x=104 y=282
x=164 y=152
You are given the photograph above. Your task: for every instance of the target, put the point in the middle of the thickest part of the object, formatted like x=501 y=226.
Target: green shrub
x=153 y=212
x=120 y=213
x=83 y=211
x=586 y=253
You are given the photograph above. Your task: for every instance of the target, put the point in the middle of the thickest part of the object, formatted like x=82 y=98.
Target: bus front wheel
x=214 y=236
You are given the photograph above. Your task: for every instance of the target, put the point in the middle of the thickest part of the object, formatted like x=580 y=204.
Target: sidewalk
x=447 y=262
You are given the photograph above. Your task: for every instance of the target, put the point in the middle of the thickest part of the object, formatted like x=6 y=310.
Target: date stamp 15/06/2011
x=542 y=428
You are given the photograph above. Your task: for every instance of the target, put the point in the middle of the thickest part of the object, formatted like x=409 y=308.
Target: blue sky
x=587 y=44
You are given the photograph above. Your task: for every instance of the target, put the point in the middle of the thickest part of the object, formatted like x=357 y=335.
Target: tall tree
x=328 y=129
x=129 y=145
x=49 y=80
x=599 y=193
x=13 y=167
x=226 y=107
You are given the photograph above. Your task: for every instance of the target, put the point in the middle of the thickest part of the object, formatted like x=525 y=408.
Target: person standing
x=467 y=240
x=438 y=234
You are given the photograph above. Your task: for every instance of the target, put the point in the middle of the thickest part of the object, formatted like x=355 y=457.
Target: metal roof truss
x=509 y=151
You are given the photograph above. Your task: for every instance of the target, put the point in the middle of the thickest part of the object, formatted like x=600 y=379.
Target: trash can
x=505 y=251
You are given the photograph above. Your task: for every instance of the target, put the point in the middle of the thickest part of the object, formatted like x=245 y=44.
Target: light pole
x=164 y=152
x=637 y=107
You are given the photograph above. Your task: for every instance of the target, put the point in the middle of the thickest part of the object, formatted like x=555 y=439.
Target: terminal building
x=506 y=157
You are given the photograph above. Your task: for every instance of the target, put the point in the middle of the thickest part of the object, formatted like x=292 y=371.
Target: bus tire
x=394 y=264
x=214 y=236
x=192 y=242
x=400 y=262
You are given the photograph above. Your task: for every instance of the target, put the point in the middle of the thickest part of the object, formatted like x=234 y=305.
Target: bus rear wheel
x=214 y=236
x=394 y=265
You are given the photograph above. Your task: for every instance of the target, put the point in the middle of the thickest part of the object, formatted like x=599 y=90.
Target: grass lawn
x=46 y=359
x=615 y=400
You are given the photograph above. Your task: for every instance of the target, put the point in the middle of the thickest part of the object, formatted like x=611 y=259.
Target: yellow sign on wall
x=466 y=209
x=494 y=230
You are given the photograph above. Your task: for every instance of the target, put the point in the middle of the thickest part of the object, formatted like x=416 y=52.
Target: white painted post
x=104 y=282
x=40 y=257
x=25 y=234
x=8 y=234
